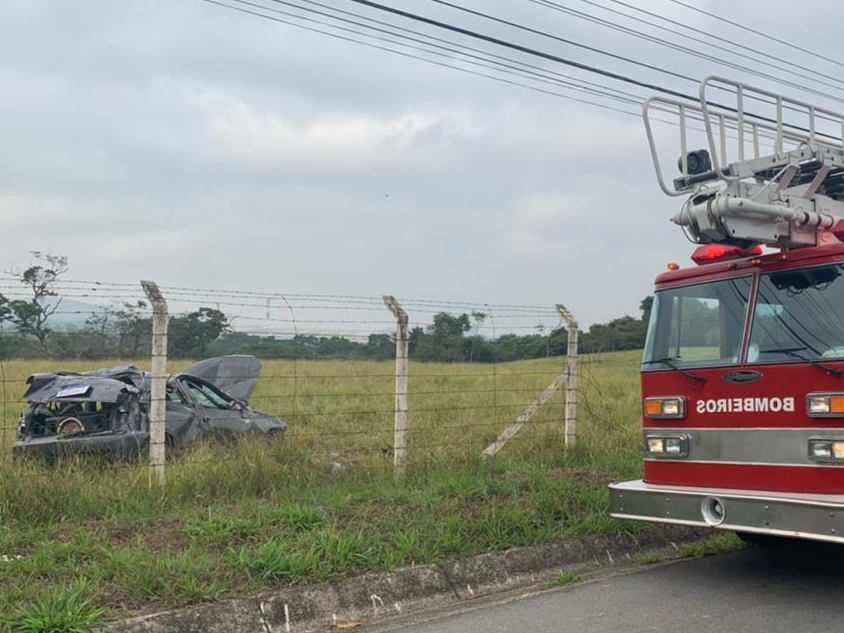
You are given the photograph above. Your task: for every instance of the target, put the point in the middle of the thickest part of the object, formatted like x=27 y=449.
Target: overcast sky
x=183 y=142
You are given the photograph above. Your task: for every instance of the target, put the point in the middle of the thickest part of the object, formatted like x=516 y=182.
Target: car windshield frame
x=802 y=345
x=191 y=383
x=664 y=344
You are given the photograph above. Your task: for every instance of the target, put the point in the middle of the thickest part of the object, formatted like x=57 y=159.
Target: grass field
x=84 y=542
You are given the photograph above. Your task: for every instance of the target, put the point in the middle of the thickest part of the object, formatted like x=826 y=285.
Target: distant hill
x=70 y=316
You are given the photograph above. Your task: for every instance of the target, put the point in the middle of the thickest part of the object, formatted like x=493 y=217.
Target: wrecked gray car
x=105 y=412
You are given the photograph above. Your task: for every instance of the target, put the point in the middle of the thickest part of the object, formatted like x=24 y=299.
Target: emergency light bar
x=786 y=199
x=721 y=252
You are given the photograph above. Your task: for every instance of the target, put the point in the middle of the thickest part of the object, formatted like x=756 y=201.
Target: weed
x=58 y=610
x=563 y=579
x=650 y=559
x=718 y=544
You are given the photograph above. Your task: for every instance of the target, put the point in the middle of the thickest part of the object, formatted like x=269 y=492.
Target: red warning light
x=713 y=252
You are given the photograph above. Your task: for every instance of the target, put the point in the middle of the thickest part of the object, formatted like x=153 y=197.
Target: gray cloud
x=186 y=143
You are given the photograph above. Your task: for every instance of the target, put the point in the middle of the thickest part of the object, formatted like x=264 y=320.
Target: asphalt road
x=796 y=589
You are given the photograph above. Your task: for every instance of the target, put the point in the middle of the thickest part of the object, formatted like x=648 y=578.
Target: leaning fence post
x=158 y=382
x=571 y=371
x=400 y=436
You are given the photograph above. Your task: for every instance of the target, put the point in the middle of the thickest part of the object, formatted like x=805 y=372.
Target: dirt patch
x=471 y=509
x=166 y=534
x=162 y=535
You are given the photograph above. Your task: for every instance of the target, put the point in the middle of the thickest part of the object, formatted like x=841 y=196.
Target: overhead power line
x=550 y=4
x=755 y=32
x=418 y=57
x=634 y=99
x=588 y=87
x=569 y=62
x=708 y=34
x=532 y=51
x=518 y=72
x=455 y=47
x=508 y=66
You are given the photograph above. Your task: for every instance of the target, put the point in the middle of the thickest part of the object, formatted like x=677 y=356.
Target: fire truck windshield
x=799 y=316
x=698 y=326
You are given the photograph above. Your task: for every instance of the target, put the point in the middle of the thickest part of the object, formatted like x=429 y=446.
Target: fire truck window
x=799 y=316
x=698 y=326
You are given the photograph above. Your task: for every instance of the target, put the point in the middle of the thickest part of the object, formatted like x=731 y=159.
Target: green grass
x=59 y=609
x=720 y=543
x=563 y=580
x=717 y=544
x=85 y=542
x=651 y=559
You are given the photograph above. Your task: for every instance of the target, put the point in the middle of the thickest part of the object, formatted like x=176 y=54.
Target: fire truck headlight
x=825 y=404
x=820 y=449
x=830 y=450
x=673 y=445
x=818 y=405
x=673 y=407
x=669 y=447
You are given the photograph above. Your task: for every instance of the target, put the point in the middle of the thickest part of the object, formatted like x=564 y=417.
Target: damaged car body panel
x=105 y=412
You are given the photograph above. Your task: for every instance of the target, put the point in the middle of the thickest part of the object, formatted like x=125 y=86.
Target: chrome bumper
x=808 y=516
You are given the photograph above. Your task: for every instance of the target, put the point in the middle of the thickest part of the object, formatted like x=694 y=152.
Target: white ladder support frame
x=774 y=199
x=778 y=127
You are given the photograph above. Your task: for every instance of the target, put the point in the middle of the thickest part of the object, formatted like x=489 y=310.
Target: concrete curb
x=372 y=597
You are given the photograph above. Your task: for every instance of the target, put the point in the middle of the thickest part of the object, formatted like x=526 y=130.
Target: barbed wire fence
x=355 y=381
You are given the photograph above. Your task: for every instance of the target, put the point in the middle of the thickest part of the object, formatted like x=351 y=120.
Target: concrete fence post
x=158 y=383
x=571 y=376
x=400 y=434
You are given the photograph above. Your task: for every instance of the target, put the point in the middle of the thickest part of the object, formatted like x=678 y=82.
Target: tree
x=30 y=316
x=478 y=318
x=646 y=306
x=443 y=340
x=121 y=330
x=191 y=334
x=380 y=347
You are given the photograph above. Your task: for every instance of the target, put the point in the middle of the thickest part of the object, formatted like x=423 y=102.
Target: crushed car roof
x=75 y=388
x=236 y=375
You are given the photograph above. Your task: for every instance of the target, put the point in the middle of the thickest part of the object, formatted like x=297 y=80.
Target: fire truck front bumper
x=807 y=516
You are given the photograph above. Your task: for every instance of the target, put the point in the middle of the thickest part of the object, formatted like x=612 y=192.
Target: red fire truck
x=743 y=371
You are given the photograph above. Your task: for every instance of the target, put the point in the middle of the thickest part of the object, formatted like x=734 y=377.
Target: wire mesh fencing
x=341 y=383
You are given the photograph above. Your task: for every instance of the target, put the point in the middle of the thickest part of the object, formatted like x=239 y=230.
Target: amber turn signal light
x=825 y=404
x=673 y=407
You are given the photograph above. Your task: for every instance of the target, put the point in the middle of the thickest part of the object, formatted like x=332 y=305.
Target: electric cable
x=689 y=51
x=707 y=34
x=756 y=32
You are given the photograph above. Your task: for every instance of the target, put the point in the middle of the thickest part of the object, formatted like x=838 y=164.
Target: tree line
x=123 y=330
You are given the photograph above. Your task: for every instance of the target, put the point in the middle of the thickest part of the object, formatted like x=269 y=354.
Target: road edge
x=382 y=595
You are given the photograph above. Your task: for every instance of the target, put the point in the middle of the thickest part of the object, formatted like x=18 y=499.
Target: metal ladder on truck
x=738 y=191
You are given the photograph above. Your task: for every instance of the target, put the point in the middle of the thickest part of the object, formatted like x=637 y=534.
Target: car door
x=182 y=422
x=221 y=415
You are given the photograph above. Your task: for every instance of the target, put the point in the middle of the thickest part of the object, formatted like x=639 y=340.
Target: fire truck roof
x=829 y=253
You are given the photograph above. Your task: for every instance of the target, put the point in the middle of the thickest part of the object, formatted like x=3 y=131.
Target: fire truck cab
x=743 y=369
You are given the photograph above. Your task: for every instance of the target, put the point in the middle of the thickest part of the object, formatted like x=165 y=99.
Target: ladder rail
x=807 y=136
x=647 y=106
x=685 y=113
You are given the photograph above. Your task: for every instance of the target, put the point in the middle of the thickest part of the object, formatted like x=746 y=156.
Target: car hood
x=237 y=375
